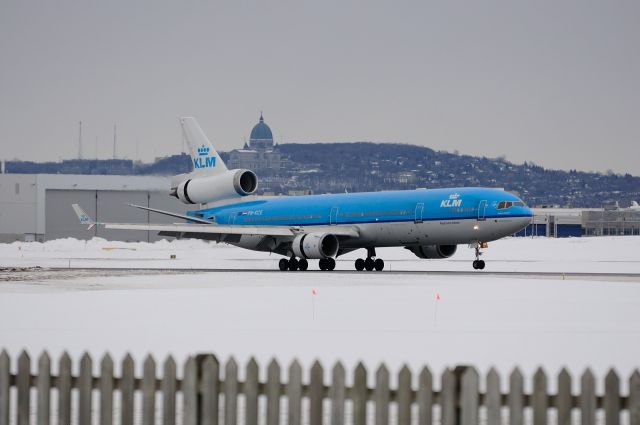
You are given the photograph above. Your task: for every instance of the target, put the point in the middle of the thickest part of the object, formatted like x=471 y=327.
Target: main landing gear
x=369 y=264
x=478 y=264
x=302 y=264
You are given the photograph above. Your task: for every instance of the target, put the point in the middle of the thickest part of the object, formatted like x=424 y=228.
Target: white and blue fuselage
x=395 y=218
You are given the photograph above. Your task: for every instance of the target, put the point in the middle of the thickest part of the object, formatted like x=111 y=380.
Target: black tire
x=369 y=264
x=293 y=265
x=283 y=264
x=322 y=264
x=378 y=264
x=359 y=264
x=481 y=264
x=475 y=264
x=303 y=264
x=331 y=264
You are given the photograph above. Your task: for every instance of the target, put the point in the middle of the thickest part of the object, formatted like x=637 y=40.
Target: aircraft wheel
x=475 y=264
x=322 y=264
x=378 y=264
x=481 y=264
x=303 y=264
x=293 y=265
x=359 y=264
x=331 y=264
x=369 y=264
x=283 y=264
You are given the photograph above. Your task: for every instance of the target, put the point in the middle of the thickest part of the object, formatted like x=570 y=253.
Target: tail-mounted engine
x=433 y=251
x=230 y=184
x=315 y=245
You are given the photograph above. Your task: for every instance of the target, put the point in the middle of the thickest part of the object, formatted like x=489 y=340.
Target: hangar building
x=37 y=207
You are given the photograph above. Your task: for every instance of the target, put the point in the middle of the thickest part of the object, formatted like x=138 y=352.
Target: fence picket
x=127 y=391
x=470 y=397
x=404 y=396
x=539 y=398
x=634 y=398
x=210 y=378
x=516 y=398
x=231 y=392
x=169 y=387
x=84 y=390
x=273 y=393
x=106 y=390
x=190 y=392
x=251 y=393
x=316 y=390
x=360 y=395
x=23 y=385
x=564 y=400
x=425 y=397
x=448 y=398
x=294 y=394
x=587 y=399
x=64 y=390
x=149 y=391
x=337 y=394
x=494 y=404
x=381 y=395
x=5 y=385
x=612 y=398
x=44 y=389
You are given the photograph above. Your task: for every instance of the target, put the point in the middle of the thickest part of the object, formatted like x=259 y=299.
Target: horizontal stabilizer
x=172 y=214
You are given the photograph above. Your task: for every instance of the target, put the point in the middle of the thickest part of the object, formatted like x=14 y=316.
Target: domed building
x=259 y=154
x=261 y=136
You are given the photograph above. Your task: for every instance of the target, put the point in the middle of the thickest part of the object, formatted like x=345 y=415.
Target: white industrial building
x=37 y=207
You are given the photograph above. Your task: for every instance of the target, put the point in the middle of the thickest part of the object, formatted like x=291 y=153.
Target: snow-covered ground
x=483 y=319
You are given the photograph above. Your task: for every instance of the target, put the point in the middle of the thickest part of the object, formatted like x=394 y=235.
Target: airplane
x=430 y=223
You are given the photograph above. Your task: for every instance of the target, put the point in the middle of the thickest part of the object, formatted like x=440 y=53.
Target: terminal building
x=577 y=222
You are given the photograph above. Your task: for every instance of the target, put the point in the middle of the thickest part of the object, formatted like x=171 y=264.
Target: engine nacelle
x=315 y=245
x=230 y=184
x=434 y=251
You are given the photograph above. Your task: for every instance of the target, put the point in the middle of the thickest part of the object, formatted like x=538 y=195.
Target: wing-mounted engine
x=433 y=251
x=315 y=245
x=228 y=185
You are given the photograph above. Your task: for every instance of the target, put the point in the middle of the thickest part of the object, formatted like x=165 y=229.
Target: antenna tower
x=80 y=140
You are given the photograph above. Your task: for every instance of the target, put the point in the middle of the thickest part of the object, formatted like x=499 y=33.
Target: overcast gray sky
x=554 y=82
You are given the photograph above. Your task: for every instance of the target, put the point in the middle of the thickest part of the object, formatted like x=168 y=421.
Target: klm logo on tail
x=204 y=160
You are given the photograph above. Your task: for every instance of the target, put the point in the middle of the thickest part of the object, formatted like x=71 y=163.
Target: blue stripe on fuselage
x=367 y=207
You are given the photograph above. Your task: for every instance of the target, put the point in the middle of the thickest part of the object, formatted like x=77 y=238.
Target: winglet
x=83 y=216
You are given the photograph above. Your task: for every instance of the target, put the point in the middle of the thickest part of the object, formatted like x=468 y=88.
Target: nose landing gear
x=478 y=264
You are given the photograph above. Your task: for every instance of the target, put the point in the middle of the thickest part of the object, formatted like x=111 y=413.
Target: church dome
x=261 y=136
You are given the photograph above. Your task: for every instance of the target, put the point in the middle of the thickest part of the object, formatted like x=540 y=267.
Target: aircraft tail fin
x=205 y=159
x=83 y=216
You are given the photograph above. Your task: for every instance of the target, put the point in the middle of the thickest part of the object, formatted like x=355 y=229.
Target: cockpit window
x=508 y=204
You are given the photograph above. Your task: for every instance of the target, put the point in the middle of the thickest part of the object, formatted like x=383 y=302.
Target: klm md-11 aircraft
x=431 y=223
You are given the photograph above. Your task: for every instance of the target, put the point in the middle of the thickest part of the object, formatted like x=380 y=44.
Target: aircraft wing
x=192 y=230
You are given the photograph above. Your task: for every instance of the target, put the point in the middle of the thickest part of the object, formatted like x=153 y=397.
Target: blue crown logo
x=203 y=150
